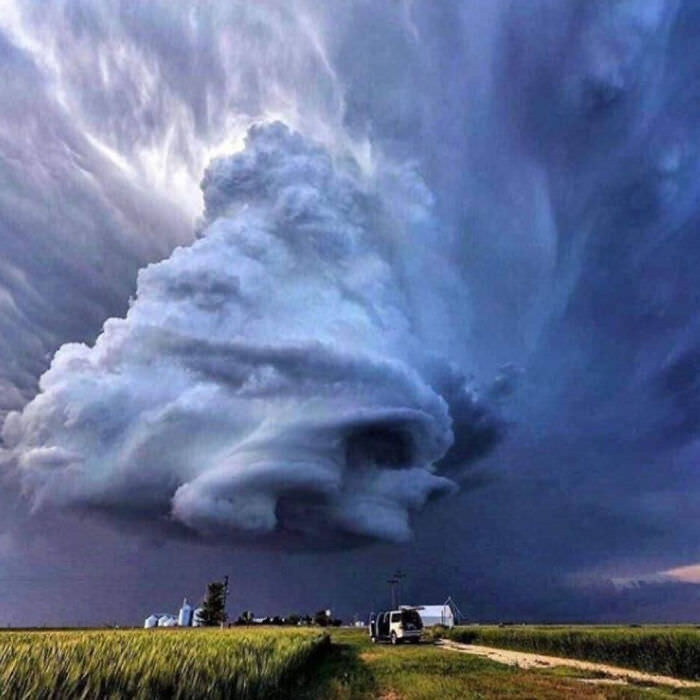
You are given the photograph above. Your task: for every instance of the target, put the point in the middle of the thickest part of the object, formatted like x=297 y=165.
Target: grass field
x=156 y=663
x=355 y=669
x=274 y=663
x=672 y=651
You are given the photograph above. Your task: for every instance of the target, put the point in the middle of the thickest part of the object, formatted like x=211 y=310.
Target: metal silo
x=184 y=619
x=196 y=618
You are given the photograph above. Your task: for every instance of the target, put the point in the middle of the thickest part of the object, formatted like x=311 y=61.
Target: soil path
x=528 y=660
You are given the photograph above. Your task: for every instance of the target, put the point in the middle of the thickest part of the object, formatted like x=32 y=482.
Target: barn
x=438 y=614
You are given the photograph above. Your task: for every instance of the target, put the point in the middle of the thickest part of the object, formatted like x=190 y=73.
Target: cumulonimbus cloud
x=267 y=379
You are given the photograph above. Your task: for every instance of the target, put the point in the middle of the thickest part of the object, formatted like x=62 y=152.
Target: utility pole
x=223 y=622
x=398 y=576
x=392 y=582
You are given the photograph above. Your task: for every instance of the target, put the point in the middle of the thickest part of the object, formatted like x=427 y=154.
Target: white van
x=396 y=626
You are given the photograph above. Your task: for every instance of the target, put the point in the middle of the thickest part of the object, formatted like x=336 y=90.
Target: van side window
x=396 y=617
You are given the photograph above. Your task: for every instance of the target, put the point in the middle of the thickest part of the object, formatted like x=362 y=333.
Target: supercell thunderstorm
x=400 y=202
x=269 y=378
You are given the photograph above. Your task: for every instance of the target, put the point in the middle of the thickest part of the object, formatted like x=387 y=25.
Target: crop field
x=274 y=663
x=672 y=651
x=207 y=663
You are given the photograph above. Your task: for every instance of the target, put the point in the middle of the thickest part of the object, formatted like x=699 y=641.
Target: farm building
x=187 y=617
x=197 y=617
x=184 y=618
x=167 y=621
x=159 y=620
x=432 y=615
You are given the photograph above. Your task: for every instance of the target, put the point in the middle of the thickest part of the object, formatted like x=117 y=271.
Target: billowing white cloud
x=267 y=378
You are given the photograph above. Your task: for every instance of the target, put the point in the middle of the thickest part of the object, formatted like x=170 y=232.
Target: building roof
x=434 y=610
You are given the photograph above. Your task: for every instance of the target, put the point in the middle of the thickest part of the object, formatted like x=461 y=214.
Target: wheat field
x=209 y=663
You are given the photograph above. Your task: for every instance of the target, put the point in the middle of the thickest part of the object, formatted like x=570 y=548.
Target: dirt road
x=527 y=660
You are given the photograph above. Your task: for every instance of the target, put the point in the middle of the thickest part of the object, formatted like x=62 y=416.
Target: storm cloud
x=469 y=258
x=268 y=377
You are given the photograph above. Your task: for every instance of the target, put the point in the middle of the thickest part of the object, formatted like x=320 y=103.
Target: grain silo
x=184 y=619
x=151 y=622
x=197 y=618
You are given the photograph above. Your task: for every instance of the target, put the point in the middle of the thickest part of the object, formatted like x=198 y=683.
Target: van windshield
x=412 y=618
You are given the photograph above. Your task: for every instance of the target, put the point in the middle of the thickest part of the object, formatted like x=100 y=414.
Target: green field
x=671 y=651
x=207 y=663
x=273 y=663
x=355 y=669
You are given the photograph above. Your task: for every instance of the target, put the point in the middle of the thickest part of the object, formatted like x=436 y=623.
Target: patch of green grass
x=355 y=669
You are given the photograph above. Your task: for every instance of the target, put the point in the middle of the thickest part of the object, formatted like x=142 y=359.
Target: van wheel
x=394 y=640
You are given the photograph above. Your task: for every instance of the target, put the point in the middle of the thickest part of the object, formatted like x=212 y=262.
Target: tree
x=322 y=618
x=245 y=618
x=213 y=611
x=293 y=619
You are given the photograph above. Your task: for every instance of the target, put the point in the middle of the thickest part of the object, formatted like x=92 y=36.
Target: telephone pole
x=398 y=576
x=392 y=582
x=223 y=622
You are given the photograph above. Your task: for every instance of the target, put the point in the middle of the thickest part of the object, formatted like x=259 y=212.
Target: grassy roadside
x=355 y=669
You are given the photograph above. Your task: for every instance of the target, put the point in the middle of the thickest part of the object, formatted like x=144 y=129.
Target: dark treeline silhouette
x=322 y=618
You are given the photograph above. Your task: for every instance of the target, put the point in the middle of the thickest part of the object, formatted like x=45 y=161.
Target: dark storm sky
x=445 y=319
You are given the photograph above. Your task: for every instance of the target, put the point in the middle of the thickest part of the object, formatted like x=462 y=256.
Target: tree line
x=212 y=612
x=320 y=618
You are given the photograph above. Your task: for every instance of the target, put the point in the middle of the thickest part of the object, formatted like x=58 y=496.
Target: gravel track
x=527 y=660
